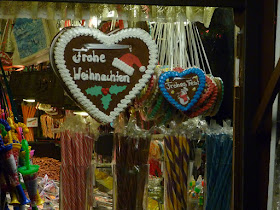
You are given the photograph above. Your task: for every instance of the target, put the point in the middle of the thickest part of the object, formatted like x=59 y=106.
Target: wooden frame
x=251 y=149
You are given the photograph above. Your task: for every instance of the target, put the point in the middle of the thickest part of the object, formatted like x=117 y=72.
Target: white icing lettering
x=77 y=58
x=91 y=58
x=89 y=75
x=84 y=76
x=102 y=58
x=186 y=83
x=121 y=78
x=84 y=57
x=103 y=77
x=113 y=77
x=77 y=75
x=97 y=77
x=127 y=78
x=95 y=58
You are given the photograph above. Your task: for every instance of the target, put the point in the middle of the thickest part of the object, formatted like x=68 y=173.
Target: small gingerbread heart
x=183 y=89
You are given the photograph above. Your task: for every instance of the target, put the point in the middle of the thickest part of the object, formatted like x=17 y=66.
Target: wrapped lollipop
x=29 y=173
x=22 y=162
x=10 y=168
x=4 y=127
x=16 y=146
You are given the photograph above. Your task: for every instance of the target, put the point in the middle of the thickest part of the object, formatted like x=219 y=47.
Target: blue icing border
x=202 y=80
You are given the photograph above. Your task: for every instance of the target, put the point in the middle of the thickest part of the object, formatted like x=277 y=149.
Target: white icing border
x=72 y=33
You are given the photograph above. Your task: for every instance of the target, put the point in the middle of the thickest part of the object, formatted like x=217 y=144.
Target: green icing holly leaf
x=106 y=101
x=115 y=89
x=94 y=91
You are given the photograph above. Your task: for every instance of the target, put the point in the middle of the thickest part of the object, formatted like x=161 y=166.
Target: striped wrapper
x=70 y=151
x=89 y=148
x=65 y=178
x=176 y=151
x=174 y=175
x=76 y=153
x=178 y=167
x=185 y=151
x=83 y=165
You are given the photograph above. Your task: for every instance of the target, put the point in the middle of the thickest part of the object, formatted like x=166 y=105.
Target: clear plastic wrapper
x=77 y=143
x=130 y=168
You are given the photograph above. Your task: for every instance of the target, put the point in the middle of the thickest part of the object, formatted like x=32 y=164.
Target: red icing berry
x=105 y=91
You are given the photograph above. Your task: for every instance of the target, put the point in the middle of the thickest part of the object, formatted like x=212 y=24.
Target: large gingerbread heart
x=182 y=89
x=103 y=73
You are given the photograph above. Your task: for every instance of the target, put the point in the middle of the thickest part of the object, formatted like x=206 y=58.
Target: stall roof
x=208 y=3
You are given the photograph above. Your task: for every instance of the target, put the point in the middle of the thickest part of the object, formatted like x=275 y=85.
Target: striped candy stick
x=174 y=175
x=63 y=177
x=184 y=167
x=177 y=163
x=78 y=169
x=168 y=173
x=89 y=148
x=186 y=154
x=183 y=190
x=71 y=162
x=169 y=152
x=66 y=171
x=83 y=177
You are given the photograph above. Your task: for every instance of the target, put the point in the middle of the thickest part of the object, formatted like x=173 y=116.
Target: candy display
x=147 y=89
x=130 y=166
x=28 y=111
x=177 y=152
x=49 y=192
x=196 y=193
x=49 y=125
x=77 y=141
x=219 y=166
x=11 y=165
x=48 y=166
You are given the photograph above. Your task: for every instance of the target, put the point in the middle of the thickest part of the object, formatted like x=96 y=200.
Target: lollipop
x=10 y=167
x=29 y=173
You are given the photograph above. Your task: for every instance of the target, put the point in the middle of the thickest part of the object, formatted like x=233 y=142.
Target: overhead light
x=29 y=100
x=81 y=113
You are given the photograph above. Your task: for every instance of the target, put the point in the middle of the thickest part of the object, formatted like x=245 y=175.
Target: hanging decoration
x=120 y=65
x=84 y=11
x=182 y=89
